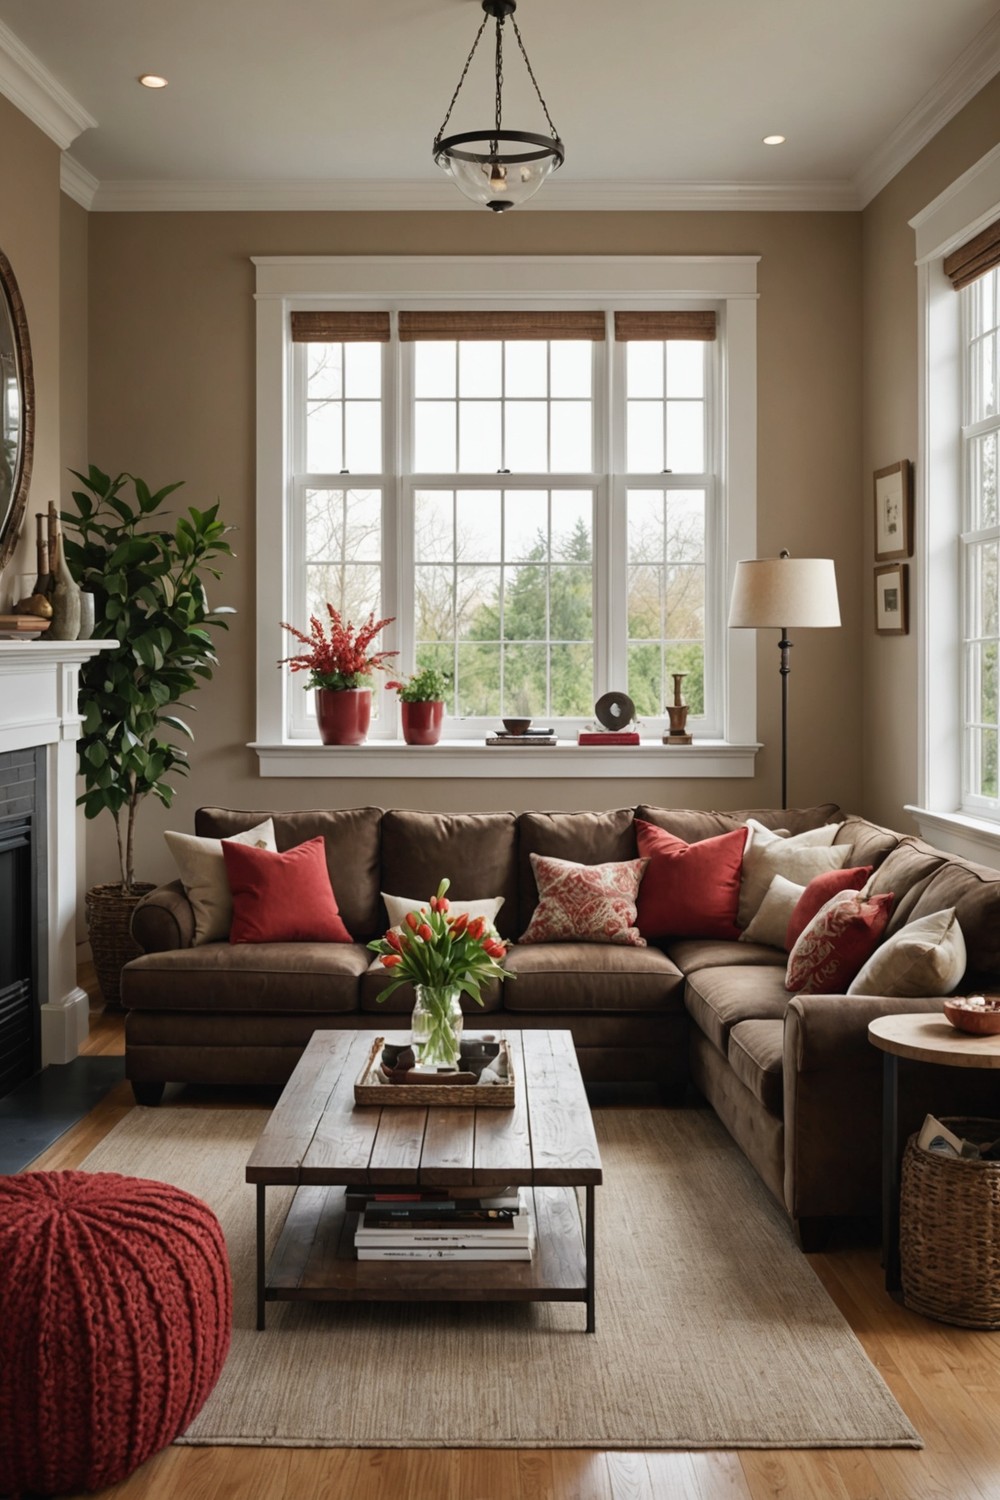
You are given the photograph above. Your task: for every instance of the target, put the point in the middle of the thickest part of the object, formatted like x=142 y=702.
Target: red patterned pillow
x=282 y=898
x=817 y=893
x=841 y=937
x=585 y=903
x=689 y=890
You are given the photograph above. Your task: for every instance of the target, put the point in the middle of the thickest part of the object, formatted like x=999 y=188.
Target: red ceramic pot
x=343 y=715
x=422 y=722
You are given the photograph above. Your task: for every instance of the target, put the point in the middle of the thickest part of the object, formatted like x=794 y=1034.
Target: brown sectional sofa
x=794 y=1079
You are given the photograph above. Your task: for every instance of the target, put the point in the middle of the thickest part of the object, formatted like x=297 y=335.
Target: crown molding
x=36 y=93
x=76 y=182
x=277 y=195
x=970 y=72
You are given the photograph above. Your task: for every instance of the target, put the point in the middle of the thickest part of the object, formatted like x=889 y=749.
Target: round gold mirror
x=17 y=411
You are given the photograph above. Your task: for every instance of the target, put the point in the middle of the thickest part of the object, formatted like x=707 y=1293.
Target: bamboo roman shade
x=698 y=324
x=501 y=325
x=339 y=327
x=974 y=258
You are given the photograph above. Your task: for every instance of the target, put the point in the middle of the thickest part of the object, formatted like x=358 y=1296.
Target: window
x=980 y=541
x=536 y=494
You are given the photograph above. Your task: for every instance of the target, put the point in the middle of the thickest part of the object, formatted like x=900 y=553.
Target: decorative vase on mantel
x=436 y=1026
x=66 y=593
x=343 y=715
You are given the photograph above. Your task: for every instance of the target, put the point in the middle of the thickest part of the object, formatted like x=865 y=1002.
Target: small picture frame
x=893 y=511
x=892 y=599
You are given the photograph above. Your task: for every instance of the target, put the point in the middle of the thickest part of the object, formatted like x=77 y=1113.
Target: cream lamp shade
x=800 y=592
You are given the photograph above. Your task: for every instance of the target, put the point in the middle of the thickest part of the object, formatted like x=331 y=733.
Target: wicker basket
x=949 y=1231
x=109 y=928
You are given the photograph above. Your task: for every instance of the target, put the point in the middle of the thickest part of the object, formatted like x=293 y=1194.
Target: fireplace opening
x=22 y=914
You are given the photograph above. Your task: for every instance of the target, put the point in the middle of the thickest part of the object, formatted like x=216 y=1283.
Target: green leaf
x=177 y=724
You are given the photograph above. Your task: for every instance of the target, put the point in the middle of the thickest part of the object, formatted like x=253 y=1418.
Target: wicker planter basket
x=109 y=924
x=949 y=1231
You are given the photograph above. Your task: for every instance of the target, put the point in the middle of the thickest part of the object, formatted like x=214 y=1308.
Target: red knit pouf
x=115 y=1318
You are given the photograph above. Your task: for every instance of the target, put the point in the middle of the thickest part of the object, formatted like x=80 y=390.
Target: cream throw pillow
x=926 y=957
x=798 y=858
x=770 y=922
x=202 y=868
x=398 y=906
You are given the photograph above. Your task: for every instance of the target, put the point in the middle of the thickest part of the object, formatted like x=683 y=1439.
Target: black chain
x=451 y=106
x=534 y=80
x=495 y=145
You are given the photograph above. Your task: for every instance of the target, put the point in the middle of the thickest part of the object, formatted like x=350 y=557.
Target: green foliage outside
x=149 y=597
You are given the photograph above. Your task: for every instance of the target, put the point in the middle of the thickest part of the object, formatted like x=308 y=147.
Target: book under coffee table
x=320 y=1142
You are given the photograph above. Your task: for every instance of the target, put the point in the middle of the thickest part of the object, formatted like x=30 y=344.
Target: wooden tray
x=372 y=1087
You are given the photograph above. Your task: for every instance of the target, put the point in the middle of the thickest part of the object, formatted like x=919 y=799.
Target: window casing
x=397 y=536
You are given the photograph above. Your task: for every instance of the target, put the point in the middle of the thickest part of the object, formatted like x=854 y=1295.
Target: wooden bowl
x=517 y=726
x=977 y=1020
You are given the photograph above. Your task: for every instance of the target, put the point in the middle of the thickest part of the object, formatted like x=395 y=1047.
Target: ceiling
x=334 y=103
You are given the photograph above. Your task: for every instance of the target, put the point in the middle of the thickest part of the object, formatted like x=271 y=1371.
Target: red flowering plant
x=341 y=659
x=440 y=951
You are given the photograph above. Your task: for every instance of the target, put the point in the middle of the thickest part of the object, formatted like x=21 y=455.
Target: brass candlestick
x=678 y=712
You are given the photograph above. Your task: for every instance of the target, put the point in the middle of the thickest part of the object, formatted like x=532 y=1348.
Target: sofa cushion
x=870 y=843
x=591 y=977
x=718 y=999
x=925 y=958
x=397 y=908
x=903 y=874
x=692 y=824
x=202 y=869
x=755 y=1056
x=585 y=903
x=584 y=838
x=351 y=838
x=692 y=954
x=840 y=938
x=264 y=977
x=689 y=890
x=798 y=857
x=974 y=891
x=817 y=893
x=402 y=1000
x=282 y=898
x=476 y=851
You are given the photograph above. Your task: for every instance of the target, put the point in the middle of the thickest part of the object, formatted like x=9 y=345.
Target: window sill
x=470 y=759
x=957 y=833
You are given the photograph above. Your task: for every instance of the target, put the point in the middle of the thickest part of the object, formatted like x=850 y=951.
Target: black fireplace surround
x=22 y=913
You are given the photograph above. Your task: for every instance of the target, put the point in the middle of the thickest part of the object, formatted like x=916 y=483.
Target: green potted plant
x=421 y=705
x=340 y=661
x=147 y=579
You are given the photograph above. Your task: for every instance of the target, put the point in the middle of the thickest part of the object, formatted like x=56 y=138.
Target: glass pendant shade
x=499 y=179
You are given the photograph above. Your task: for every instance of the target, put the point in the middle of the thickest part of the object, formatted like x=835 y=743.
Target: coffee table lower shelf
x=314 y=1259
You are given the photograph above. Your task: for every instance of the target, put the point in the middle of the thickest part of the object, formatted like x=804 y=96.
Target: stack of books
x=529 y=737
x=430 y=1226
x=608 y=737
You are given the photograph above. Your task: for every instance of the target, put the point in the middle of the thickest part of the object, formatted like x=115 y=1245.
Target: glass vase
x=436 y=1026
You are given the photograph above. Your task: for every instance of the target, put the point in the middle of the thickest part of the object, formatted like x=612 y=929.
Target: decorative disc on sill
x=615 y=710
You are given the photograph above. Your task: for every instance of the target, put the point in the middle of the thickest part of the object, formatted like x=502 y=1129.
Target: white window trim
x=730 y=282
x=964 y=208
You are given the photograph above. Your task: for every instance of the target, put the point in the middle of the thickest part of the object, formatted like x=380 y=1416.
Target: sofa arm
x=832 y=1081
x=164 y=919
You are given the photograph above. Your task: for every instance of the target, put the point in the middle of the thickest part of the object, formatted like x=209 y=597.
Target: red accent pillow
x=689 y=890
x=585 y=903
x=841 y=937
x=817 y=893
x=282 y=898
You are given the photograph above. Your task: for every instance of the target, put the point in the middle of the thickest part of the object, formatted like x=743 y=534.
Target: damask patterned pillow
x=585 y=903
x=841 y=937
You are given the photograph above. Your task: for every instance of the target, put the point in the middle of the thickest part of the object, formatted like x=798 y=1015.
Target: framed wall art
x=893 y=511
x=892 y=599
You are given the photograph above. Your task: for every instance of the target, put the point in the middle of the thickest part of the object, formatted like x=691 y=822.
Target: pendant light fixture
x=497 y=174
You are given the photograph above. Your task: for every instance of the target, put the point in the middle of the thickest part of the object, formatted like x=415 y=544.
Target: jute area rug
x=712 y=1330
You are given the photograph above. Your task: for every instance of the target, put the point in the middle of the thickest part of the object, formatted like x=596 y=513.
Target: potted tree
x=147 y=579
x=340 y=662
x=421 y=705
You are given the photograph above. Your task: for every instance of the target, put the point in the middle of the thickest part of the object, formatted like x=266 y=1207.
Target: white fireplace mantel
x=39 y=687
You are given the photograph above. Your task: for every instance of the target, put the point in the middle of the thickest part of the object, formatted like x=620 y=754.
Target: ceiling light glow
x=152 y=81
x=774 y=140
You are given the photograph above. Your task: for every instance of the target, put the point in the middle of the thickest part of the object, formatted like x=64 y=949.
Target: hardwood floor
x=946 y=1379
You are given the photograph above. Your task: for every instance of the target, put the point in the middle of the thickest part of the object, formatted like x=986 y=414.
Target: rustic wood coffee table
x=319 y=1141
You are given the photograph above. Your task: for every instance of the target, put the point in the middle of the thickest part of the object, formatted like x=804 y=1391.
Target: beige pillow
x=798 y=858
x=926 y=957
x=770 y=921
x=398 y=906
x=202 y=868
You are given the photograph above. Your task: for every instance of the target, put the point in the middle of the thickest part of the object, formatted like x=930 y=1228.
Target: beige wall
x=171 y=396
x=29 y=237
x=889 y=398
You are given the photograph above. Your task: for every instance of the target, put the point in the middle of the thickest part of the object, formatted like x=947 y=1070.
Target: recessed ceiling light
x=152 y=81
x=774 y=140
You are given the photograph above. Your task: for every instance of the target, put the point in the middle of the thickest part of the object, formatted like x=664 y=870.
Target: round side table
x=926 y=1038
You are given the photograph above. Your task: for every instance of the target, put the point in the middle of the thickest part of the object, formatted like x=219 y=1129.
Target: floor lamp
x=785 y=593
